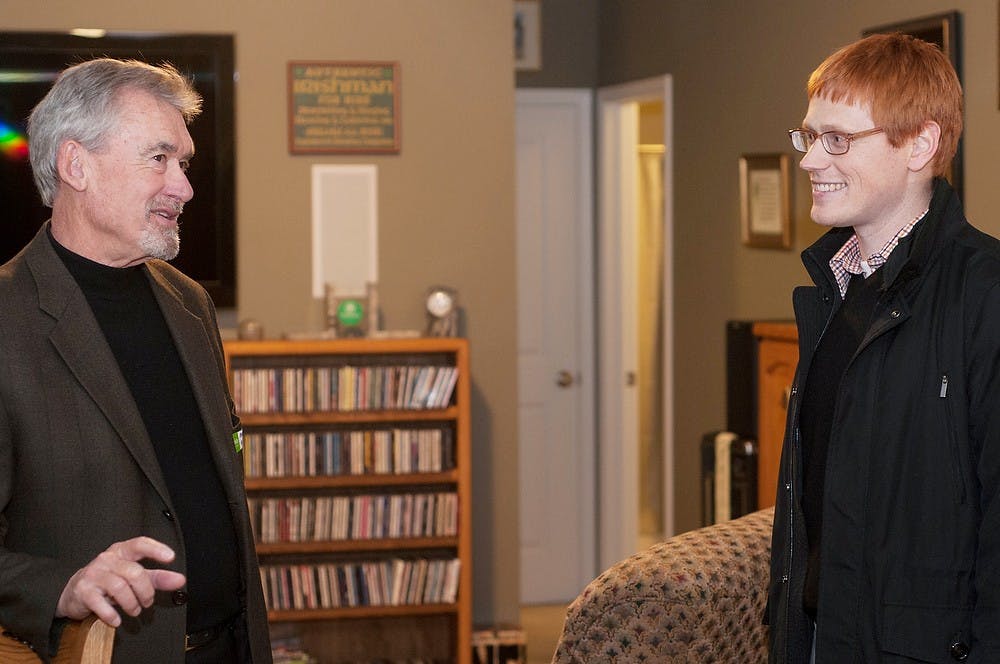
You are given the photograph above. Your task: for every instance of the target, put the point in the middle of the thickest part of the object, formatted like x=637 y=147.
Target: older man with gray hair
x=121 y=486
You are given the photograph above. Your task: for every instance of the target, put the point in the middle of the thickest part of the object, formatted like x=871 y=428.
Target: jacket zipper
x=789 y=489
x=954 y=455
x=796 y=441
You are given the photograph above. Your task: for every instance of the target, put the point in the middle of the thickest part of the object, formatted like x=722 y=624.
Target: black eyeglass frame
x=808 y=137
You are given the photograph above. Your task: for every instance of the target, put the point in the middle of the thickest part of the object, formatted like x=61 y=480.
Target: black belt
x=205 y=636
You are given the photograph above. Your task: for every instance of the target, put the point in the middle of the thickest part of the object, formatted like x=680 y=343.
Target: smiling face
x=869 y=187
x=135 y=185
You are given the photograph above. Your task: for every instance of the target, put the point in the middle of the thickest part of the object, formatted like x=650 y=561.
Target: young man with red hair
x=886 y=544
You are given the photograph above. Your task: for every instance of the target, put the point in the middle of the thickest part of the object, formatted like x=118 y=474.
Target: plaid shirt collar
x=848 y=259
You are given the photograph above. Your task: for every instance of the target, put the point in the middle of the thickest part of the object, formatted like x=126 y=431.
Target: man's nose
x=815 y=158
x=179 y=186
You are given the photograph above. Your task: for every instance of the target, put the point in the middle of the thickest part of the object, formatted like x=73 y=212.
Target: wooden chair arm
x=87 y=641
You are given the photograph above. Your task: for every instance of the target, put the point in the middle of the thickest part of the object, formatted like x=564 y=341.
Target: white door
x=555 y=344
x=618 y=173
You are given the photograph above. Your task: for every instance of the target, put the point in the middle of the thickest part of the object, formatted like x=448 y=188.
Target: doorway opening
x=635 y=235
x=650 y=297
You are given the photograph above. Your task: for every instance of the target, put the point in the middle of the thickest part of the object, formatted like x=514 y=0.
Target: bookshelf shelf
x=361 y=438
x=396 y=544
x=391 y=416
x=345 y=481
x=363 y=612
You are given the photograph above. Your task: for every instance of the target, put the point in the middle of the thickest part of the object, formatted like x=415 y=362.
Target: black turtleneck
x=123 y=302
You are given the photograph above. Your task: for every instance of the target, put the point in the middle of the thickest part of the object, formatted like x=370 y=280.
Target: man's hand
x=115 y=578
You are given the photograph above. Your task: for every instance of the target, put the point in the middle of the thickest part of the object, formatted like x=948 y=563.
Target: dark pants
x=231 y=646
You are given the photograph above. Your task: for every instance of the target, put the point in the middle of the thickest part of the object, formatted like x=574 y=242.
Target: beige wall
x=446 y=206
x=739 y=69
x=446 y=202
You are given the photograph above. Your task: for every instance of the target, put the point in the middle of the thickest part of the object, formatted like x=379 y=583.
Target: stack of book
x=345 y=388
x=387 y=582
x=354 y=517
x=356 y=452
x=289 y=651
x=499 y=645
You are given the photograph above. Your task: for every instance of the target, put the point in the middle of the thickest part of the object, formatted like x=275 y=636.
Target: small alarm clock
x=442 y=312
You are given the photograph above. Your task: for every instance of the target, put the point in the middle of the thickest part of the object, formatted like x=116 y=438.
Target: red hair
x=903 y=81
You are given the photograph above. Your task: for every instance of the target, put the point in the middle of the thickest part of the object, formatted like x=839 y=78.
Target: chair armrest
x=696 y=597
x=87 y=641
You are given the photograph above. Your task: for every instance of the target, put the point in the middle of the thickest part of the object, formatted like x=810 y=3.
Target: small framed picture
x=348 y=315
x=527 y=35
x=766 y=201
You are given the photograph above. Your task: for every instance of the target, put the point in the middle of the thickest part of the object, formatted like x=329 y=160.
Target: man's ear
x=925 y=145
x=70 y=162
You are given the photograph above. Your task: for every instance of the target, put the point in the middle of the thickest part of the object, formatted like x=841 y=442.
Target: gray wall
x=739 y=69
x=569 y=46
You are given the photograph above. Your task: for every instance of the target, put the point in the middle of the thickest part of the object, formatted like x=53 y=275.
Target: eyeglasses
x=834 y=142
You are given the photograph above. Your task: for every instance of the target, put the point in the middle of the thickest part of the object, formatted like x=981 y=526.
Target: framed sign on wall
x=343 y=107
x=765 y=201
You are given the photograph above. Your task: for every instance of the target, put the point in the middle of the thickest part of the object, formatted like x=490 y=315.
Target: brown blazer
x=77 y=469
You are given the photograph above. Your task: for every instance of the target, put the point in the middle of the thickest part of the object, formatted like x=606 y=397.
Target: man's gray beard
x=162 y=243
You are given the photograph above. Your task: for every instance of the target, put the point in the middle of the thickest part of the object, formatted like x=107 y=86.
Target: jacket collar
x=911 y=256
x=79 y=340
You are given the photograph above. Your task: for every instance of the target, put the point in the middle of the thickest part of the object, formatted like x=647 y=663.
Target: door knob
x=564 y=378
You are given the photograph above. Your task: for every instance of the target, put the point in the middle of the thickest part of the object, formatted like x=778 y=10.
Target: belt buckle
x=196 y=640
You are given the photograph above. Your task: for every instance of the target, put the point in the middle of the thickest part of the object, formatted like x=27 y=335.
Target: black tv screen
x=30 y=62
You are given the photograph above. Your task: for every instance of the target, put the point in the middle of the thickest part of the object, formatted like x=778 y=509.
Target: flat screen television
x=29 y=63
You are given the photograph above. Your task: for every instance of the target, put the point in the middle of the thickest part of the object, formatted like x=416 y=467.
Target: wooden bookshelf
x=307 y=440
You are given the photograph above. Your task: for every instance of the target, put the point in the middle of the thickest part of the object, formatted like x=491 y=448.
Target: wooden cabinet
x=357 y=459
x=777 y=357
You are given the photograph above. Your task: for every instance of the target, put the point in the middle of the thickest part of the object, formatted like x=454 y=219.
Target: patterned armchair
x=697 y=597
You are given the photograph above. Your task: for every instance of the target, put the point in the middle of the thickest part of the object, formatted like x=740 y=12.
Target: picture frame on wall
x=765 y=201
x=337 y=107
x=527 y=35
x=944 y=30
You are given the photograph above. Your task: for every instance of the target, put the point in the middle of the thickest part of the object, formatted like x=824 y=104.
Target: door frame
x=582 y=100
x=618 y=140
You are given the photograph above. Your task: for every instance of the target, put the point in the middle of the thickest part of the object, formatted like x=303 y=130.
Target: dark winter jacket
x=910 y=544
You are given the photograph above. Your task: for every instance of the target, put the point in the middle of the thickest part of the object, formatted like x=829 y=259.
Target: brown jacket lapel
x=78 y=339
x=195 y=338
